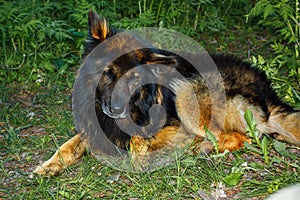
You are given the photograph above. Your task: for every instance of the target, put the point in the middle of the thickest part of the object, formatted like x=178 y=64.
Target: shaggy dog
x=245 y=88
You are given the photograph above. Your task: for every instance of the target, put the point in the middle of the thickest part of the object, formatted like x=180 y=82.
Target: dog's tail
x=285 y=121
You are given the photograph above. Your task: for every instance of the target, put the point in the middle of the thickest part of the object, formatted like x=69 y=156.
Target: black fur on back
x=241 y=78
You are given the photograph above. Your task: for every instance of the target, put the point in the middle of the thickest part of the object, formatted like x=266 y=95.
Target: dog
x=245 y=88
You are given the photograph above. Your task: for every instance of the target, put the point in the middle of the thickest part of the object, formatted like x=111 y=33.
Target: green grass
x=36 y=115
x=22 y=151
x=182 y=179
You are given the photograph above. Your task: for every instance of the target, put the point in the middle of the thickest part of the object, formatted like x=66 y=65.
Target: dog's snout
x=116 y=109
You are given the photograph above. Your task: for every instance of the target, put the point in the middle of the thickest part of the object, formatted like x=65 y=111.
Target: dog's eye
x=108 y=76
x=134 y=80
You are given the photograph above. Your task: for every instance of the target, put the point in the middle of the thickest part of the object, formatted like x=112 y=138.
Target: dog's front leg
x=68 y=154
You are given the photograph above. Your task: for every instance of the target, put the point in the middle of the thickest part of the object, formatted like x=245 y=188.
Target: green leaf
x=249 y=119
x=264 y=147
x=261 y=60
x=76 y=33
x=256 y=165
x=212 y=139
x=251 y=126
x=233 y=179
x=64 y=194
x=280 y=147
x=252 y=148
x=268 y=10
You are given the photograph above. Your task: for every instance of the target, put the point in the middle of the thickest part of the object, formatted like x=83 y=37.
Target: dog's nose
x=116 y=109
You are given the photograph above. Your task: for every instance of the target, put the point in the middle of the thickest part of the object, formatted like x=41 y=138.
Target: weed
x=283 y=68
x=263 y=144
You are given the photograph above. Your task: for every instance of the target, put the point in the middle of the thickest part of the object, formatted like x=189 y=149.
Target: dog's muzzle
x=116 y=111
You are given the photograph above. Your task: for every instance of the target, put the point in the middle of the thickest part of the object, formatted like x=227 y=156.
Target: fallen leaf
x=32 y=131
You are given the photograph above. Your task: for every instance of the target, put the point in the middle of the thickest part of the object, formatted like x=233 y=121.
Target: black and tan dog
x=245 y=87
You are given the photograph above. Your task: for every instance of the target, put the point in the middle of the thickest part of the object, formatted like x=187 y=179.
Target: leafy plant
x=283 y=68
x=40 y=38
x=254 y=134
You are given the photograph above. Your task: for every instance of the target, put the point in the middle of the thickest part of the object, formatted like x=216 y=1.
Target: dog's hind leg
x=69 y=153
x=285 y=123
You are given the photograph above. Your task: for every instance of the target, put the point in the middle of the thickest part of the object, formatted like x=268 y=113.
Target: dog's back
x=245 y=88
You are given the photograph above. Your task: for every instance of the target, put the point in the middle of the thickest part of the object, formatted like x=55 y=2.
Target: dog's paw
x=50 y=167
x=68 y=154
x=202 y=148
x=138 y=145
x=138 y=150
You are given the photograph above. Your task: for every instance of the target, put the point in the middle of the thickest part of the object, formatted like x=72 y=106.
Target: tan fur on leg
x=200 y=146
x=138 y=150
x=69 y=153
x=232 y=141
x=286 y=124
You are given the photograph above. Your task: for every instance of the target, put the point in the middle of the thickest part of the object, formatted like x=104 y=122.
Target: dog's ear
x=98 y=27
x=165 y=63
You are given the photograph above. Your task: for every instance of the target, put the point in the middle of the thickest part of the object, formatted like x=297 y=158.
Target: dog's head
x=127 y=78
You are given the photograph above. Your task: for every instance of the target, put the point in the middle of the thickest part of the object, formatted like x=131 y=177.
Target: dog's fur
x=245 y=87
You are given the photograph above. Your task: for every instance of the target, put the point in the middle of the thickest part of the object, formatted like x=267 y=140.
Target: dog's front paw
x=50 y=167
x=138 y=150
x=68 y=154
